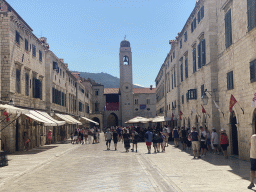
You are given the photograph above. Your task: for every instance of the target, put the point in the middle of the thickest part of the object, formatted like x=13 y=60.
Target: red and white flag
x=232 y=102
x=254 y=99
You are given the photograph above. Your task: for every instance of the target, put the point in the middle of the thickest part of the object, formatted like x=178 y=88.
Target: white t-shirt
x=253 y=147
x=204 y=134
x=109 y=135
x=215 y=138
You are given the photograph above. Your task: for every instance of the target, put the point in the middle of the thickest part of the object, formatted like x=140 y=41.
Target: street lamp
x=205 y=99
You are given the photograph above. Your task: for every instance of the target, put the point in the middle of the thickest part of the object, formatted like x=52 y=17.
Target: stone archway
x=96 y=119
x=234 y=135
x=112 y=120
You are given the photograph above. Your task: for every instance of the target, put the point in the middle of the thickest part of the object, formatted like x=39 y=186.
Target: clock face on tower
x=126 y=87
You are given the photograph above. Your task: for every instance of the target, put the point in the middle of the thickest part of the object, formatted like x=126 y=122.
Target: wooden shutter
x=186 y=67
x=252 y=71
x=202 y=90
x=228 y=29
x=251 y=14
x=199 y=55
x=199 y=16
x=181 y=72
x=192 y=26
x=194 y=60
x=194 y=23
x=203 y=52
x=202 y=12
x=53 y=95
x=172 y=81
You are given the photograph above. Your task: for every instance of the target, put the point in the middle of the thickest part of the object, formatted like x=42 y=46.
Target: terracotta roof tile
x=144 y=90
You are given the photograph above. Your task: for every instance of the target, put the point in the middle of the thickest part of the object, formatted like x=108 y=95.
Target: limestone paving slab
x=92 y=168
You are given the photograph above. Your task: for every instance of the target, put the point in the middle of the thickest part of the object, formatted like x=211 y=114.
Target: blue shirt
x=150 y=135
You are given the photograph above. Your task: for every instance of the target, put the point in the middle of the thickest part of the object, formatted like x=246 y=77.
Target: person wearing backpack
x=183 y=138
x=195 y=143
x=149 y=136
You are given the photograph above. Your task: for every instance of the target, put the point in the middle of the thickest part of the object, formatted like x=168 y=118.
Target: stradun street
x=90 y=167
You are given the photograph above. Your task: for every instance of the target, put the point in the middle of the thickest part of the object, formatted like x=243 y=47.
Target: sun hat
x=222 y=130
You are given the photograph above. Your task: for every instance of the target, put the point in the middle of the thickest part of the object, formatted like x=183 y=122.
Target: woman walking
x=49 y=134
x=115 y=138
x=224 y=143
x=126 y=138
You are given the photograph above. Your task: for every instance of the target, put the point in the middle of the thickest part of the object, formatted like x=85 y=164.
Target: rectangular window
x=148 y=101
x=34 y=50
x=193 y=25
x=55 y=66
x=230 y=84
x=201 y=54
x=172 y=81
x=96 y=92
x=185 y=36
x=171 y=58
x=182 y=99
x=251 y=14
x=136 y=102
x=194 y=60
x=181 y=72
x=199 y=16
x=228 y=29
x=173 y=55
x=186 y=67
x=96 y=107
x=37 y=88
x=202 y=90
x=17 y=80
x=80 y=106
x=62 y=99
x=26 y=84
x=180 y=43
x=253 y=71
x=40 y=56
x=26 y=44
x=192 y=94
x=174 y=76
x=202 y=12
x=17 y=37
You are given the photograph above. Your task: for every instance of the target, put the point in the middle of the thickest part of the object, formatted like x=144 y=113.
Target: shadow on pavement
x=34 y=150
x=237 y=166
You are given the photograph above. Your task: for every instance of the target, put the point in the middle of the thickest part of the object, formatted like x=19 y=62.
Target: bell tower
x=126 y=84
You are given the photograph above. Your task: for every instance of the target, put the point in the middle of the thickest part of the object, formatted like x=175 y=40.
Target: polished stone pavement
x=67 y=167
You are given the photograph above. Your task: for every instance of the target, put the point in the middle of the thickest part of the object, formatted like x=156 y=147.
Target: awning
x=35 y=118
x=45 y=120
x=59 y=123
x=68 y=119
x=138 y=120
x=87 y=119
x=161 y=119
x=12 y=109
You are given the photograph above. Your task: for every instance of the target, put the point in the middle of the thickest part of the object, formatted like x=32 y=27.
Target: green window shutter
x=199 y=16
x=199 y=55
x=252 y=71
x=202 y=12
x=53 y=95
x=181 y=72
x=203 y=52
x=228 y=29
x=194 y=60
x=186 y=67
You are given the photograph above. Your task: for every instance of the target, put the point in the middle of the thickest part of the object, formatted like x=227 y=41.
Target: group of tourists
x=85 y=136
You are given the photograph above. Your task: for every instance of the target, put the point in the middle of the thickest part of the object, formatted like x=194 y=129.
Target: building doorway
x=96 y=120
x=112 y=120
x=234 y=136
x=17 y=135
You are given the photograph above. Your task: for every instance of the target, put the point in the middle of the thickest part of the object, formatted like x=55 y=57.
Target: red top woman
x=49 y=134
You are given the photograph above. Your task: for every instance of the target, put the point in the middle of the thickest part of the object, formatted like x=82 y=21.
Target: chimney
x=151 y=87
x=43 y=40
x=62 y=60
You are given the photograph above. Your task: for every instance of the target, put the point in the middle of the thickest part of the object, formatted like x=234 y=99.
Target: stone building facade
x=214 y=56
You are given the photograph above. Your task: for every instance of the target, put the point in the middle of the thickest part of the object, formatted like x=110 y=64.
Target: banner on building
x=232 y=102
x=142 y=107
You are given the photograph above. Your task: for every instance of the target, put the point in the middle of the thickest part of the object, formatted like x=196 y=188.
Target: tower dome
x=125 y=43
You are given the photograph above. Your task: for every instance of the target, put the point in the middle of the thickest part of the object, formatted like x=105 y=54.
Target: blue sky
x=87 y=33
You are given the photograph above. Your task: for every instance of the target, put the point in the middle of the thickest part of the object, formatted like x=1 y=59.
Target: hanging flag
x=7 y=118
x=181 y=114
x=203 y=110
x=193 y=111
x=172 y=116
x=254 y=99
x=232 y=102
x=217 y=106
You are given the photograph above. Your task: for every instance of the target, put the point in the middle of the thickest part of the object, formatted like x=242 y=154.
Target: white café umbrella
x=138 y=120
x=161 y=119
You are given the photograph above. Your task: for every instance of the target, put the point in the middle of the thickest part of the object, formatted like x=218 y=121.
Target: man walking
x=195 y=142
x=252 y=159
x=108 y=138
x=148 y=136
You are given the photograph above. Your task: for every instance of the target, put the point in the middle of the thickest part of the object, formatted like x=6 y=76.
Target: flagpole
x=240 y=107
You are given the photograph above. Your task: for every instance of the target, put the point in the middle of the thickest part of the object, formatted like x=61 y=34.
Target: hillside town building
x=212 y=58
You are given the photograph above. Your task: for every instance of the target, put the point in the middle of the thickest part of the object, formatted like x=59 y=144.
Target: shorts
x=108 y=141
x=253 y=164
x=224 y=147
x=160 y=140
x=195 y=145
x=134 y=141
x=215 y=146
x=208 y=141
x=183 y=140
x=154 y=144
x=176 y=139
x=203 y=145
x=148 y=143
x=75 y=137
